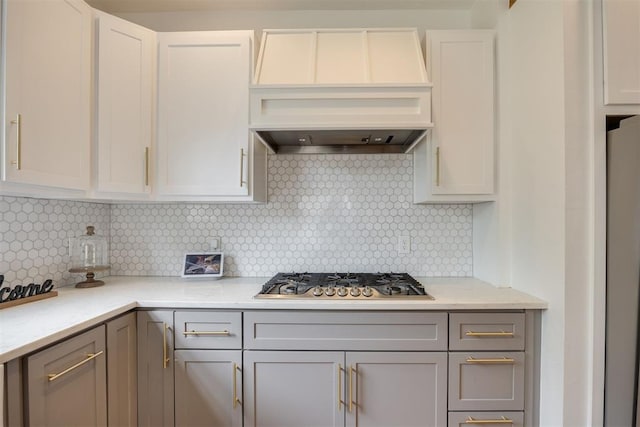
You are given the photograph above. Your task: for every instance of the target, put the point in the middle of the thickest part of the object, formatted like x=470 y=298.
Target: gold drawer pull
x=90 y=356
x=215 y=333
x=501 y=420
x=506 y=360
x=341 y=370
x=236 y=400
x=489 y=334
x=165 y=348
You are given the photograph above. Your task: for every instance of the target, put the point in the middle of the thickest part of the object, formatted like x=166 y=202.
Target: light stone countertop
x=28 y=327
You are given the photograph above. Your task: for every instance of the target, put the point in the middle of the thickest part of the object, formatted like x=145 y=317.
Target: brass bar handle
x=90 y=357
x=18 y=122
x=501 y=420
x=146 y=166
x=236 y=400
x=165 y=350
x=224 y=333
x=340 y=401
x=242 y=156
x=437 y=166
x=489 y=334
x=351 y=402
x=505 y=360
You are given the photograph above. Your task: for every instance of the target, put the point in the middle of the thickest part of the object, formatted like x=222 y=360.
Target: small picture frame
x=203 y=264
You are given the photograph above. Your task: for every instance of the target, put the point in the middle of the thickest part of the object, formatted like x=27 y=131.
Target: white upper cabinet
x=456 y=162
x=125 y=77
x=47 y=82
x=205 y=151
x=621 y=31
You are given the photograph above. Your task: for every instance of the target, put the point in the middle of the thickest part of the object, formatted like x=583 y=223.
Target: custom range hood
x=340 y=91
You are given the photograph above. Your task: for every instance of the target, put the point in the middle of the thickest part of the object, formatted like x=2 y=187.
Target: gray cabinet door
x=155 y=368
x=486 y=381
x=293 y=389
x=67 y=384
x=396 y=389
x=208 y=388
x=122 y=371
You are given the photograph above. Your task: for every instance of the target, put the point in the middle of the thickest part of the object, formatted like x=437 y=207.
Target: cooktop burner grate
x=343 y=286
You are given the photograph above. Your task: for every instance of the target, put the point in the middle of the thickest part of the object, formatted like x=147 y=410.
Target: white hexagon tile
x=34 y=237
x=325 y=213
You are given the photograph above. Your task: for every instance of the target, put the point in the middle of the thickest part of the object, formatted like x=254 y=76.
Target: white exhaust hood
x=340 y=91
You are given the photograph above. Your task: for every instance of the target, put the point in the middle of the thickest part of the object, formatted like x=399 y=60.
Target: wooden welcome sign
x=20 y=294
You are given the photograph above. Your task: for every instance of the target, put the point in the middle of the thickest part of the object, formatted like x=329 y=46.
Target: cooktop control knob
x=367 y=291
x=342 y=291
x=330 y=291
x=355 y=292
x=317 y=291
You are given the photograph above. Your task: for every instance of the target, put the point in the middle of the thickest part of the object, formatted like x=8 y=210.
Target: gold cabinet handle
x=505 y=360
x=242 y=156
x=236 y=400
x=489 y=334
x=437 y=166
x=501 y=420
x=146 y=166
x=165 y=350
x=351 y=402
x=18 y=122
x=340 y=373
x=90 y=356
x=224 y=333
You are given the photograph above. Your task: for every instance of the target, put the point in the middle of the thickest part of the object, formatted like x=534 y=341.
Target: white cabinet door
x=621 y=31
x=208 y=388
x=48 y=76
x=125 y=76
x=293 y=388
x=203 y=114
x=401 y=389
x=456 y=162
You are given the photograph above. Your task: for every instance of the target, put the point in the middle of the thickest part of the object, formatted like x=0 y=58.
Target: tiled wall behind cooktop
x=34 y=237
x=325 y=213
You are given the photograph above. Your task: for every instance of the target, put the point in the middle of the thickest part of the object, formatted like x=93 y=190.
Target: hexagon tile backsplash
x=34 y=237
x=325 y=213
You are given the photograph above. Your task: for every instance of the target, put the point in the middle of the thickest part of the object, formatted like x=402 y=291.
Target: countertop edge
x=75 y=310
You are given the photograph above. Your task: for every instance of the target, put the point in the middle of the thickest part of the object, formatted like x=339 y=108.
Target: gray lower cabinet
x=294 y=388
x=208 y=388
x=155 y=368
x=401 y=389
x=67 y=384
x=328 y=369
x=491 y=357
x=122 y=381
x=333 y=388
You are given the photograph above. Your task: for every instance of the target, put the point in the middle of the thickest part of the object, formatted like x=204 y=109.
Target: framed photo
x=205 y=264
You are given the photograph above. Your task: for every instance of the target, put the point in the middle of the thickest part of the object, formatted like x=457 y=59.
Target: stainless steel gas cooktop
x=359 y=286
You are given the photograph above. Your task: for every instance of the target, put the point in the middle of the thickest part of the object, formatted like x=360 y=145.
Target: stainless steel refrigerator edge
x=623 y=274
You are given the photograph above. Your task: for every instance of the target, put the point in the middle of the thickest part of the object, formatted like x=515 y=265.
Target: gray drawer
x=486 y=331
x=486 y=381
x=466 y=419
x=300 y=330
x=208 y=329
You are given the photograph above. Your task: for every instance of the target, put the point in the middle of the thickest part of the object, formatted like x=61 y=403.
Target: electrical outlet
x=404 y=244
x=214 y=243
